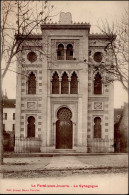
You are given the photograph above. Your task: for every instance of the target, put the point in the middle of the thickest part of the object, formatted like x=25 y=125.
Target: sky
x=82 y=11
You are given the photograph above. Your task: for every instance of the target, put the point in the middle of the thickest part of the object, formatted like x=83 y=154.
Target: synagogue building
x=62 y=102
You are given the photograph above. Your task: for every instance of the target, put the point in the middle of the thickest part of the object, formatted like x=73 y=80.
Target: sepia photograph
x=64 y=97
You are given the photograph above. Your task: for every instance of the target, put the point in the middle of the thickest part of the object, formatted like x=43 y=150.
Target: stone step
x=25 y=155
x=64 y=151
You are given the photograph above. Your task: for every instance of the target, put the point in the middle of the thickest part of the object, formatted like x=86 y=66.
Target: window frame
x=34 y=125
x=74 y=74
x=62 y=57
x=68 y=57
x=14 y=116
x=28 y=84
x=13 y=127
x=74 y=44
x=52 y=82
x=94 y=84
x=65 y=73
x=97 y=130
x=5 y=118
x=102 y=125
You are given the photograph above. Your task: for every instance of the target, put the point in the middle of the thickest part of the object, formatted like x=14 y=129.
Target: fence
x=100 y=145
x=27 y=144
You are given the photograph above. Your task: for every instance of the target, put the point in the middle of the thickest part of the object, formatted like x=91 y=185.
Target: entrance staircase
x=64 y=151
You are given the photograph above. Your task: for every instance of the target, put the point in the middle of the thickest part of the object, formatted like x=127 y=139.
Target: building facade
x=9 y=109
x=62 y=104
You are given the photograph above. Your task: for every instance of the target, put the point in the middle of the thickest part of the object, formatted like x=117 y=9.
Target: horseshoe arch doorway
x=64 y=129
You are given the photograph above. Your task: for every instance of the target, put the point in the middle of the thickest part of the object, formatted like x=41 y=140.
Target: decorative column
x=74 y=127
x=69 y=80
x=79 y=133
x=78 y=85
x=73 y=53
x=65 y=52
x=51 y=86
x=54 y=135
x=18 y=108
x=45 y=100
x=60 y=79
x=49 y=133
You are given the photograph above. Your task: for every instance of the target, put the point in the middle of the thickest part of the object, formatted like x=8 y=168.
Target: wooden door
x=64 y=129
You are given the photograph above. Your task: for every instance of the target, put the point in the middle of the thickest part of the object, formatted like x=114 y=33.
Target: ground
x=104 y=171
x=24 y=164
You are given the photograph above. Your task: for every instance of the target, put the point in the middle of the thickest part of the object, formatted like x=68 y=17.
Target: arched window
x=64 y=84
x=69 y=52
x=74 y=84
x=97 y=127
x=98 y=84
x=31 y=127
x=32 y=84
x=60 y=52
x=55 y=84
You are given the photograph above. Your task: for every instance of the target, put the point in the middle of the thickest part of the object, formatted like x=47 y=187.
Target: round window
x=98 y=56
x=64 y=114
x=31 y=56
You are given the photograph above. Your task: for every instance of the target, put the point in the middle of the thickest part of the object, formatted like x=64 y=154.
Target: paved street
x=64 y=162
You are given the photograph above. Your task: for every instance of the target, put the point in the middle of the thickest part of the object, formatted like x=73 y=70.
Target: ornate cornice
x=30 y=98
x=65 y=26
x=95 y=98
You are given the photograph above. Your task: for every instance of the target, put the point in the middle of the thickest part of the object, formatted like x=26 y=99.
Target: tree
x=118 y=70
x=19 y=18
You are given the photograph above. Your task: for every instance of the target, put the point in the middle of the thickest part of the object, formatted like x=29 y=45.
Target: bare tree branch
x=119 y=48
x=18 y=20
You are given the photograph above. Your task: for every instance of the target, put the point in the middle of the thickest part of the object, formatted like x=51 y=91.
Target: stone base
x=45 y=149
x=48 y=149
x=81 y=149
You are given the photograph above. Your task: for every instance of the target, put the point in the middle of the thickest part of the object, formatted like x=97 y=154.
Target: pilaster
x=44 y=129
x=18 y=107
